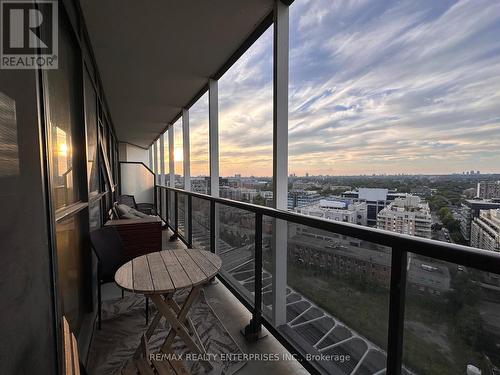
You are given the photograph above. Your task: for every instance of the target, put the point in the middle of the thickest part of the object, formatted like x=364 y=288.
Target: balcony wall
x=27 y=331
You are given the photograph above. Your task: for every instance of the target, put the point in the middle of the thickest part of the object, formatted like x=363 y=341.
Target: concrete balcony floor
x=234 y=317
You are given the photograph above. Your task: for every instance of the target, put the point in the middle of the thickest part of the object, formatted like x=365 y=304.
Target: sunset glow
x=372 y=90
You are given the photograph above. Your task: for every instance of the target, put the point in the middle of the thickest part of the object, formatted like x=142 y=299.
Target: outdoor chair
x=109 y=249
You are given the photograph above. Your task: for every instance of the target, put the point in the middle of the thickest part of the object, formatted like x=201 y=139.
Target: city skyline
x=396 y=87
x=308 y=175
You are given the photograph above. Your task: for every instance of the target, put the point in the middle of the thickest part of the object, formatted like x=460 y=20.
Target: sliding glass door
x=69 y=190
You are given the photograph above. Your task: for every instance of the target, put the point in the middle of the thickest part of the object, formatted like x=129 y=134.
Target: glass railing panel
x=452 y=319
x=201 y=223
x=236 y=248
x=337 y=300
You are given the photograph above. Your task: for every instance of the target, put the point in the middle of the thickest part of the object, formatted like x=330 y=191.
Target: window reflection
x=9 y=157
x=63 y=176
x=70 y=268
x=90 y=117
x=64 y=103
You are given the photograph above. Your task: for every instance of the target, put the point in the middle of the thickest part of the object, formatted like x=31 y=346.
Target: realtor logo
x=29 y=37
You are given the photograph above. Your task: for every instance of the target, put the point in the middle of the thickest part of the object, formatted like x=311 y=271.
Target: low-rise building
x=341 y=256
x=238 y=194
x=344 y=210
x=408 y=215
x=200 y=184
x=298 y=198
x=428 y=276
x=335 y=254
x=421 y=191
x=485 y=230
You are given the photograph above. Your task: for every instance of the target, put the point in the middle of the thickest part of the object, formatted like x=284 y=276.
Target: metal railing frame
x=400 y=245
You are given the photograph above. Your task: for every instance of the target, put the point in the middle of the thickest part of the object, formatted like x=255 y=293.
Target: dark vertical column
x=176 y=213
x=253 y=329
x=167 y=216
x=213 y=235
x=160 y=198
x=176 y=218
x=155 y=196
x=190 y=221
x=396 y=311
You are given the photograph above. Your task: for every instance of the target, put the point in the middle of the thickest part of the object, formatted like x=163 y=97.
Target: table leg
x=154 y=323
x=192 y=330
x=177 y=309
x=181 y=316
x=177 y=327
x=151 y=329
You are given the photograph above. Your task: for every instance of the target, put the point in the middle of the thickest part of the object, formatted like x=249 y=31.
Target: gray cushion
x=123 y=209
x=128 y=216
x=133 y=211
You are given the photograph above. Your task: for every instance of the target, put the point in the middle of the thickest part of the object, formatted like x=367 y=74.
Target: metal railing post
x=190 y=221
x=252 y=331
x=213 y=235
x=158 y=193
x=167 y=216
x=155 y=197
x=397 y=296
x=174 y=236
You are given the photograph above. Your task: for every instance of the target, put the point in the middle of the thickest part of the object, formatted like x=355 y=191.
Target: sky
x=375 y=86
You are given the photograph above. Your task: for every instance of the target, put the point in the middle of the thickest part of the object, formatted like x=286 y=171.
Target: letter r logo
x=29 y=30
x=19 y=25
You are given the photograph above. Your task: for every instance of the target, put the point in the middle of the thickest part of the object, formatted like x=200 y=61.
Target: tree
x=444 y=212
x=437 y=202
x=259 y=200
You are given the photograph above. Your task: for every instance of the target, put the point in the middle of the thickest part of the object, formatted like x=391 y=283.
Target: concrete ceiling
x=155 y=56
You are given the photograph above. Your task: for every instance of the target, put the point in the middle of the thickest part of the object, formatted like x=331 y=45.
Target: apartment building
x=488 y=189
x=470 y=209
x=344 y=210
x=485 y=230
x=407 y=216
x=376 y=199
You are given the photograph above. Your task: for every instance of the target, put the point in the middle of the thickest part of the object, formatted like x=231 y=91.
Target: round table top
x=168 y=271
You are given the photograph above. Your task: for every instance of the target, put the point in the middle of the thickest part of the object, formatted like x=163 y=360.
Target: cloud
x=375 y=87
x=418 y=82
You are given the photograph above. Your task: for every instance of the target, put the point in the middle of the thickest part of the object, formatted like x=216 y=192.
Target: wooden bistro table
x=158 y=276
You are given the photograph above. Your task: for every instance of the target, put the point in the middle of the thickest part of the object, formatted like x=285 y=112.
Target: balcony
x=168 y=101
